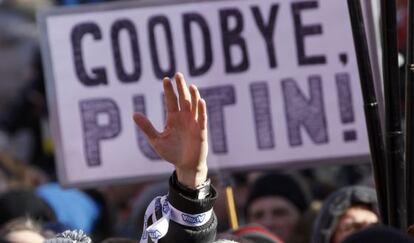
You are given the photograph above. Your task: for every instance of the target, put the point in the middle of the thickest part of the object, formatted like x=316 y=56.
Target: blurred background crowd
x=296 y=204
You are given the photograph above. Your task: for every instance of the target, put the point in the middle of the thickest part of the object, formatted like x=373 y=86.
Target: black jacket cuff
x=179 y=200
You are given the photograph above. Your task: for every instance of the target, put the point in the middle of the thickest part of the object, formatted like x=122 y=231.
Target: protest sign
x=280 y=80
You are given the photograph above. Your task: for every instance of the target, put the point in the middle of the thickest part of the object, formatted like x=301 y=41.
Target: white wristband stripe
x=159 y=228
x=192 y=220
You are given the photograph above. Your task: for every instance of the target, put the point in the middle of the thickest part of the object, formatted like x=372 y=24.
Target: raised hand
x=184 y=139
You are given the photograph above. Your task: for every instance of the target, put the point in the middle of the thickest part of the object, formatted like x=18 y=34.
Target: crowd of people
x=332 y=204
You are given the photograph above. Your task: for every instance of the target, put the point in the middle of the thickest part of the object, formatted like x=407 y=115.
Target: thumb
x=145 y=125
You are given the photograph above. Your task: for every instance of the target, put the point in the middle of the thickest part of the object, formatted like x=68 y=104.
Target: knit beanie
x=379 y=234
x=74 y=236
x=289 y=187
x=20 y=203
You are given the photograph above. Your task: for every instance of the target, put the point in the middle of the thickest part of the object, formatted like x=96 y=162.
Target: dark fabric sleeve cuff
x=179 y=200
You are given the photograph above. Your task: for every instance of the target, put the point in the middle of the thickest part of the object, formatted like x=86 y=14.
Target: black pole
x=372 y=118
x=394 y=143
x=369 y=19
x=409 y=116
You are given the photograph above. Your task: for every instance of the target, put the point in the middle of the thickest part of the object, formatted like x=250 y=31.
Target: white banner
x=280 y=80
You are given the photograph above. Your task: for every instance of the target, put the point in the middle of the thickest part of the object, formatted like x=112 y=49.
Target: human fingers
x=170 y=96
x=195 y=97
x=202 y=114
x=145 y=125
x=183 y=93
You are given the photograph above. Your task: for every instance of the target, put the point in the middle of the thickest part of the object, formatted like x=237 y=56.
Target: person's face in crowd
x=24 y=236
x=275 y=213
x=354 y=219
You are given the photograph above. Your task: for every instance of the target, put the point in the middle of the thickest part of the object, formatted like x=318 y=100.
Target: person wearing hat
x=276 y=201
x=345 y=212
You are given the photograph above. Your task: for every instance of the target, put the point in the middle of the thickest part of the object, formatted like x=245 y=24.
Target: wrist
x=200 y=192
x=192 y=178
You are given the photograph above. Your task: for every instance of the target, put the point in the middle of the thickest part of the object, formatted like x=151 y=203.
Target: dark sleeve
x=185 y=203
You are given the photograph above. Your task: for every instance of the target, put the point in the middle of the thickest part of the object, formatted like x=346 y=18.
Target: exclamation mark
x=346 y=107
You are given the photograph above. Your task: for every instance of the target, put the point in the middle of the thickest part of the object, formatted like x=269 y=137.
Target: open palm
x=184 y=139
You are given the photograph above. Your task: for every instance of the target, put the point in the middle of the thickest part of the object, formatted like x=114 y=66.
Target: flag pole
x=409 y=115
x=231 y=208
x=372 y=117
x=394 y=141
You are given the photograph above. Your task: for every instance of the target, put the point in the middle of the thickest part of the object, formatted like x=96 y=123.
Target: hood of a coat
x=336 y=205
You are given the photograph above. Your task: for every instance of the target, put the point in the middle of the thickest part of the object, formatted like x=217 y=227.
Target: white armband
x=159 y=228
